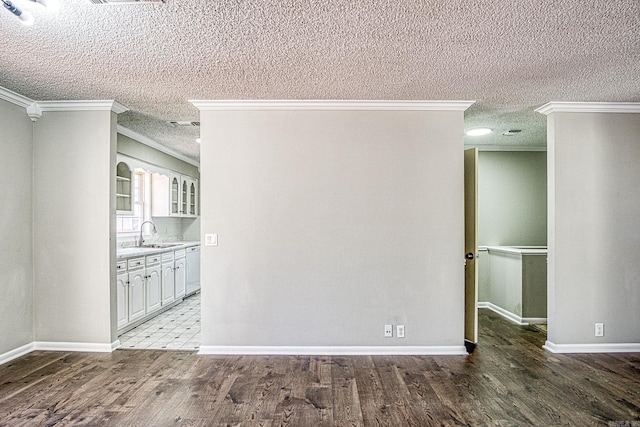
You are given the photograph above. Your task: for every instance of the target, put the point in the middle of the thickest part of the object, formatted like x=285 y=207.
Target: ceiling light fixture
x=25 y=16
x=478 y=132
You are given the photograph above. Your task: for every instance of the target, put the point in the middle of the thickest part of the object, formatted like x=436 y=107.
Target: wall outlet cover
x=211 y=240
x=388 y=331
x=400 y=331
x=599 y=329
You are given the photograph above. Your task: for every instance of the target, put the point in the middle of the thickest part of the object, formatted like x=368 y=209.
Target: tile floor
x=176 y=329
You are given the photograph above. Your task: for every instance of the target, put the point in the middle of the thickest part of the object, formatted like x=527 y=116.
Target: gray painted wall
x=330 y=225
x=512 y=198
x=74 y=212
x=16 y=262
x=594 y=232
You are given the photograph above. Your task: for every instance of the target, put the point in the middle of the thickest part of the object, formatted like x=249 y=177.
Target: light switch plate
x=211 y=240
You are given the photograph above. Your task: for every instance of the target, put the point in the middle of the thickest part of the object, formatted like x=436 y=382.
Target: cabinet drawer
x=167 y=257
x=135 y=263
x=180 y=253
x=121 y=266
x=154 y=259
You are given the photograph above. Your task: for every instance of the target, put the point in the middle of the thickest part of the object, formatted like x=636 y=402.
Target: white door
x=137 y=302
x=122 y=291
x=168 y=283
x=471 y=247
x=181 y=277
x=154 y=289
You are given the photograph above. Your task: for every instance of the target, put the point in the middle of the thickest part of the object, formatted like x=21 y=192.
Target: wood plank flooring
x=508 y=381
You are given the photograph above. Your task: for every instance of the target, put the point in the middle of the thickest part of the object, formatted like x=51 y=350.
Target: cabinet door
x=184 y=195
x=168 y=284
x=154 y=290
x=175 y=189
x=122 y=291
x=181 y=278
x=124 y=180
x=193 y=198
x=137 y=303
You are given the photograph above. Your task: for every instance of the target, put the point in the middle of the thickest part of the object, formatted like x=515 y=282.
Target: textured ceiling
x=510 y=56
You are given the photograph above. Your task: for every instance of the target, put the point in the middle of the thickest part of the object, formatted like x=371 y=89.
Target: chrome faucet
x=141 y=241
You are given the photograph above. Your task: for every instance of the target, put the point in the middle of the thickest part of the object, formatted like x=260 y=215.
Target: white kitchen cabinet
x=191 y=207
x=174 y=195
x=180 y=273
x=122 y=291
x=137 y=300
x=153 y=285
x=168 y=279
x=124 y=181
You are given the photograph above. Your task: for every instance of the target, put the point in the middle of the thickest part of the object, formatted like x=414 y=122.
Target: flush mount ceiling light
x=478 y=131
x=24 y=15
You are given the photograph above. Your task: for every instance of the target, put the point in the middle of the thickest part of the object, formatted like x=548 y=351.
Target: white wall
x=331 y=224
x=594 y=228
x=16 y=268
x=74 y=217
x=512 y=198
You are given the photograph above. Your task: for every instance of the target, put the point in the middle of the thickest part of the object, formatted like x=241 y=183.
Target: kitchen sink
x=161 y=245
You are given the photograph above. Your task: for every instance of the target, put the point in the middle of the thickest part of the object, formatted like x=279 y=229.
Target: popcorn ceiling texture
x=510 y=56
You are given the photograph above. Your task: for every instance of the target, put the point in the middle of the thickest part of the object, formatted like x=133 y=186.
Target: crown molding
x=589 y=107
x=332 y=105
x=15 y=98
x=101 y=105
x=155 y=145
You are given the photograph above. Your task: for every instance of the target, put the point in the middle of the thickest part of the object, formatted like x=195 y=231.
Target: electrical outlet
x=400 y=331
x=388 y=331
x=599 y=329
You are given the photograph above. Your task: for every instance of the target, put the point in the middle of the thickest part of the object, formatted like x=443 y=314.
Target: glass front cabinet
x=124 y=179
x=174 y=195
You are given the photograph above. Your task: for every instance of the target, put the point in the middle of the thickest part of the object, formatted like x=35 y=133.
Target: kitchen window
x=139 y=203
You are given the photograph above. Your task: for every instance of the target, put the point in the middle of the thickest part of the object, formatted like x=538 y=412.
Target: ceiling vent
x=125 y=1
x=182 y=123
x=512 y=132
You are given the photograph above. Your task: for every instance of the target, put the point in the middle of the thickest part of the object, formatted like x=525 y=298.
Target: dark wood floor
x=508 y=381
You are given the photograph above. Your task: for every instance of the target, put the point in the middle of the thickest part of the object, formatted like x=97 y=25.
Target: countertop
x=123 y=253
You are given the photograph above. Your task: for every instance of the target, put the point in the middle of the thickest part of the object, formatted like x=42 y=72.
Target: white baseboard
x=592 y=348
x=76 y=346
x=15 y=353
x=334 y=351
x=522 y=321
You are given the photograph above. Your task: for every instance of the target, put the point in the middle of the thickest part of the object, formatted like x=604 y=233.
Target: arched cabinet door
x=124 y=180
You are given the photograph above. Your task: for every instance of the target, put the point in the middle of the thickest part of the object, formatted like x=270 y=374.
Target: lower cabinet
x=137 y=301
x=180 y=273
x=146 y=284
x=154 y=289
x=122 y=286
x=168 y=279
